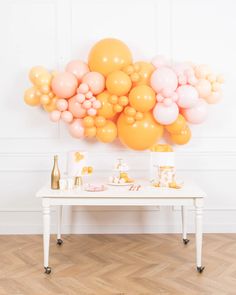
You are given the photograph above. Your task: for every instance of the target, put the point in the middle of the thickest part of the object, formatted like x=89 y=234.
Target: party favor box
x=76 y=161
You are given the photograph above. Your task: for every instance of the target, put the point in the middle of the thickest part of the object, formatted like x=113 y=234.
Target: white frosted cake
x=76 y=161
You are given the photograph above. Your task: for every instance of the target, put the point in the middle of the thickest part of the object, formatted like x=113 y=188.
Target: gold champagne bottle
x=55 y=176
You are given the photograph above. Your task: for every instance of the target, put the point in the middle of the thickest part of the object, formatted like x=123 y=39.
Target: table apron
x=119 y=201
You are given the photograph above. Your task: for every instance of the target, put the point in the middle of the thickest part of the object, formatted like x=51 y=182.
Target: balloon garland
x=113 y=97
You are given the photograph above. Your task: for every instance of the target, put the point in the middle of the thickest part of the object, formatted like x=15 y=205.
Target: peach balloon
x=64 y=85
x=76 y=108
x=203 y=87
x=83 y=88
x=198 y=113
x=78 y=68
x=62 y=104
x=214 y=97
x=118 y=83
x=76 y=128
x=31 y=97
x=140 y=135
x=67 y=116
x=51 y=106
x=36 y=72
x=55 y=116
x=95 y=81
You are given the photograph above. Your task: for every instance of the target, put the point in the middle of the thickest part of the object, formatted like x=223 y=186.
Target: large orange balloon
x=106 y=110
x=142 y=134
x=142 y=98
x=31 y=97
x=182 y=137
x=118 y=83
x=144 y=72
x=107 y=133
x=109 y=55
x=177 y=126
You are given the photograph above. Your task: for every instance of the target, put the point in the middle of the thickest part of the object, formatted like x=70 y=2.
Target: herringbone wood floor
x=117 y=264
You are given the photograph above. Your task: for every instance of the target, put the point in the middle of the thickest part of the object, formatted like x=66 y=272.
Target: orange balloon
x=118 y=83
x=88 y=122
x=32 y=97
x=36 y=72
x=183 y=137
x=142 y=98
x=90 y=132
x=106 y=110
x=123 y=100
x=44 y=79
x=145 y=71
x=131 y=112
x=107 y=133
x=177 y=125
x=51 y=106
x=109 y=55
x=142 y=134
x=100 y=121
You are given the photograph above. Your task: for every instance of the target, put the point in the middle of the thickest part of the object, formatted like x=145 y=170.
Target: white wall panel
x=51 y=32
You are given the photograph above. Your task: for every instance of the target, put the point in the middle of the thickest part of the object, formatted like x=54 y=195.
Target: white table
x=189 y=195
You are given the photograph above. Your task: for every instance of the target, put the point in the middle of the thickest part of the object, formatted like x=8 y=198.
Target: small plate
x=120 y=184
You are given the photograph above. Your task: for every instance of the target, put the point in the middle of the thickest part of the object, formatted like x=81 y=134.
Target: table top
x=189 y=190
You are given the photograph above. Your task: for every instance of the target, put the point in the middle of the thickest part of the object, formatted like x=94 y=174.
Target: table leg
x=59 y=217
x=46 y=236
x=198 y=223
x=184 y=224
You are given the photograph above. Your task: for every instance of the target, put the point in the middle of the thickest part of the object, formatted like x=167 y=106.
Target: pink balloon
x=214 y=97
x=87 y=104
x=76 y=128
x=64 y=85
x=67 y=117
x=188 y=96
x=95 y=81
x=78 y=68
x=198 y=113
x=92 y=112
x=89 y=95
x=83 y=88
x=80 y=97
x=62 y=104
x=203 y=88
x=55 y=116
x=96 y=104
x=76 y=108
x=159 y=61
x=165 y=115
x=164 y=79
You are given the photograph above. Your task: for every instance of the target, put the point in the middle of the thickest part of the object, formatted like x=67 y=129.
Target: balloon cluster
x=110 y=96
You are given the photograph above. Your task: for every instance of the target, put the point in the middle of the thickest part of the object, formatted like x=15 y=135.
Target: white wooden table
x=189 y=195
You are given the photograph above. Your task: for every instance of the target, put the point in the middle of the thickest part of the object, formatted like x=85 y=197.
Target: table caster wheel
x=200 y=268
x=59 y=242
x=47 y=270
x=185 y=241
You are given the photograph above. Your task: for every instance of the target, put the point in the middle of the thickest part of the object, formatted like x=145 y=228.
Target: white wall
x=50 y=33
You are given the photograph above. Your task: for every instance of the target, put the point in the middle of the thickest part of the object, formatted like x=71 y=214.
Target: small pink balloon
x=164 y=79
x=55 y=116
x=92 y=112
x=96 y=82
x=80 y=97
x=64 y=85
x=87 y=104
x=174 y=96
x=203 y=87
x=76 y=128
x=92 y=99
x=78 y=68
x=62 y=104
x=159 y=61
x=167 y=92
x=188 y=96
x=159 y=97
x=89 y=95
x=96 y=104
x=214 y=97
x=83 y=88
x=167 y=102
x=197 y=114
x=165 y=115
x=67 y=117
x=76 y=108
